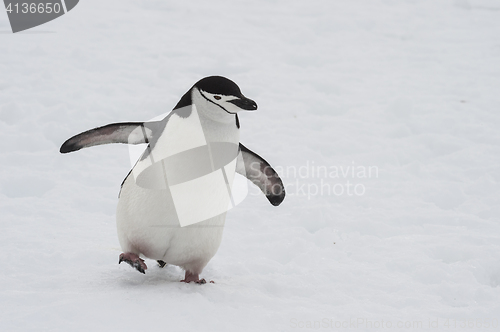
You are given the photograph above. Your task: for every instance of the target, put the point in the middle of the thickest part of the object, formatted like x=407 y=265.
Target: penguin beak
x=244 y=103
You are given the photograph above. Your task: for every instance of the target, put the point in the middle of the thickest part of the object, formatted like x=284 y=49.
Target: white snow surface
x=409 y=88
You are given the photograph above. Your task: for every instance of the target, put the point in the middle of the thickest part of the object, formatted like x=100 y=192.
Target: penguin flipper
x=257 y=170
x=125 y=132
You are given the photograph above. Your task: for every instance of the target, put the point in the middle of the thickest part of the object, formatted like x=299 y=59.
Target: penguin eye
x=217 y=97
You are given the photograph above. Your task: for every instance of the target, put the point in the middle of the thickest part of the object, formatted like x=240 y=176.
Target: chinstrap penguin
x=172 y=204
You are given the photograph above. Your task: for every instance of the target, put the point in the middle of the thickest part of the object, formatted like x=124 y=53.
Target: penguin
x=173 y=203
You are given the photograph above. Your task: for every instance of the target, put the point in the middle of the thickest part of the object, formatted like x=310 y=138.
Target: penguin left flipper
x=125 y=132
x=257 y=170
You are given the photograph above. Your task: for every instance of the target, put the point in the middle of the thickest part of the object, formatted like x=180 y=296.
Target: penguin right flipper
x=126 y=132
x=257 y=170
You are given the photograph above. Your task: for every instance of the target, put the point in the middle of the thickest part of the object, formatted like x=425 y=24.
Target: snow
x=408 y=88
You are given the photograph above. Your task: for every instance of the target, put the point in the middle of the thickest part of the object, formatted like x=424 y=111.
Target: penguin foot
x=134 y=260
x=161 y=264
x=188 y=277
x=199 y=281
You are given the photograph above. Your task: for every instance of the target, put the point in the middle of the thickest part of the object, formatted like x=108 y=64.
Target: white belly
x=148 y=218
x=147 y=224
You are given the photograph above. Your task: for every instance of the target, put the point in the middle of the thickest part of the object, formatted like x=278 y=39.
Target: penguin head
x=224 y=94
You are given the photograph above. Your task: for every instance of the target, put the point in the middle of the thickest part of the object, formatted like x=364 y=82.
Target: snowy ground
x=408 y=88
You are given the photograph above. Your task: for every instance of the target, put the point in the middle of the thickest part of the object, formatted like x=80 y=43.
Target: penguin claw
x=199 y=281
x=161 y=264
x=133 y=260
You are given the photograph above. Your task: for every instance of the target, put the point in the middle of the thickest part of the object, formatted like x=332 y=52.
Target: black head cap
x=219 y=85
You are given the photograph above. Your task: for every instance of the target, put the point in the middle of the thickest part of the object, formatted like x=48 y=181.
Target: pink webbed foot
x=188 y=277
x=134 y=260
